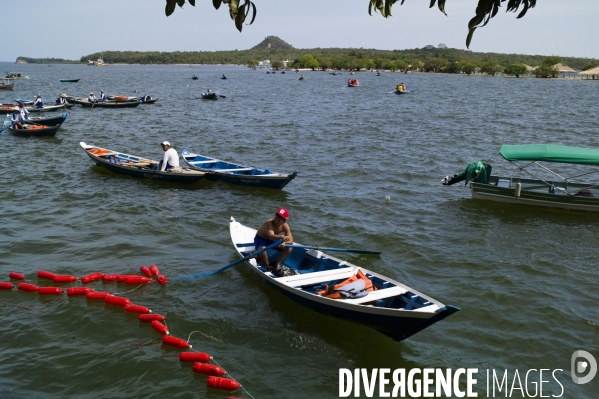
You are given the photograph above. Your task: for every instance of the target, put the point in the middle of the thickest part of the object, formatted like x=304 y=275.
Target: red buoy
x=64 y=279
x=194 y=357
x=6 y=286
x=154 y=270
x=27 y=287
x=148 y=318
x=50 y=291
x=145 y=271
x=116 y=301
x=161 y=328
x=137 y=309
x=123 y=277
x=46 y=275
x=138 y=280
x=16 y=276
x=176 y=342
x=222 y=383
x=91 y=277
x=110 y=277
x=96 y=296
x=208 y=369
x=79 y=291
x=161 y=279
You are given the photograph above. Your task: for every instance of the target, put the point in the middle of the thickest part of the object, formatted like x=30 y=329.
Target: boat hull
x=110 y=104
x=70 y=80
x=187 y=177
x=44 y=132
x=535 y=193
x=253 y=181
x=48 y=120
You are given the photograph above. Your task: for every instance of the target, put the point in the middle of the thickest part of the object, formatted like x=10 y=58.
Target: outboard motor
x=479 y=171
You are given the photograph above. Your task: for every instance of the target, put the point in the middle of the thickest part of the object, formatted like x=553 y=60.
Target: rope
x=126 y=292
x=229 y=375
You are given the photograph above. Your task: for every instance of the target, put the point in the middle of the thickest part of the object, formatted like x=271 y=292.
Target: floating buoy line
x=218 y=378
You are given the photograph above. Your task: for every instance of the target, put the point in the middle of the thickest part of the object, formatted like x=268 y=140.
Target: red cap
x=284 y=213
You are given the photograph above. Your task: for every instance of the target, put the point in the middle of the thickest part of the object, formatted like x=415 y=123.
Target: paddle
x=252 y=255
x=355 y=251
x=221 y=96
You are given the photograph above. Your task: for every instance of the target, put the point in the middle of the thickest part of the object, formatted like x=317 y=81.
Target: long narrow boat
x=132 y=165
x=70 y=80
x=32 y=130
x=216 y=169
x=107 y=104
x=544 y=187
x=46 y=108
x=394 y=309
x=54 y=120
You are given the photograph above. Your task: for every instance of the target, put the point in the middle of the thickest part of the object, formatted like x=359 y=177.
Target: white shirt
x=170 y=157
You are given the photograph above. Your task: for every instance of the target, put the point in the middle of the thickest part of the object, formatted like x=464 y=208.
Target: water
x=525 y=278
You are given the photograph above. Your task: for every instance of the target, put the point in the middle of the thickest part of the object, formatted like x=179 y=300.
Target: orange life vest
x=358 y=276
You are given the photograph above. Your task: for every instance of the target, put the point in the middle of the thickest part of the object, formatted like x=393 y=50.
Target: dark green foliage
x=546 y=71
x=272 y=42
x=515 y=70
x=238 y=13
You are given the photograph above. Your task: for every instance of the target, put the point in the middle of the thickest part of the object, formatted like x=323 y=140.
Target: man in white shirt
x=171 y=158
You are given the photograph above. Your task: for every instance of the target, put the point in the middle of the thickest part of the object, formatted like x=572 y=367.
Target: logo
x=581 y=366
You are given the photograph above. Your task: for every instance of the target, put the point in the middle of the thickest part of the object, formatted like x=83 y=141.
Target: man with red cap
x=270 y=232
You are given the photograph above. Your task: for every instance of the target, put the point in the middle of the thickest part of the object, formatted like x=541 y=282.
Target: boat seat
x=375 y=295
x=319 y=277
x=206 y=161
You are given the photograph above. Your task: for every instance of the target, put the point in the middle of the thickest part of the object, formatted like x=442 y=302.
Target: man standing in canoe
x=23 y=111
x=171 y=158
x=270 y=232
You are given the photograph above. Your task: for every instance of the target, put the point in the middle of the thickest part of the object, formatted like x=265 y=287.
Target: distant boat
x=6 y=85
x=70 y=80
x=15 y=75
x=210 y=96
x=32 y=130
x=194 y=77
x=353 y=83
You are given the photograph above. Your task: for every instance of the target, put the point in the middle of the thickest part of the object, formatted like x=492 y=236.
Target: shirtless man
x=270 y=232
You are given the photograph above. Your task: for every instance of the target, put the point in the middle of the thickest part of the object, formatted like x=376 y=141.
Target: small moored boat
x=48 y=108
x=54 y=120
x=236 y=174
x=544 y=187
x=70 y=80
x=135 y=166
x=387 y=305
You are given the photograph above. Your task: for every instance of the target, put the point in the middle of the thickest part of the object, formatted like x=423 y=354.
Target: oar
x=221 y=96
x=252 y=255
x=355 y=251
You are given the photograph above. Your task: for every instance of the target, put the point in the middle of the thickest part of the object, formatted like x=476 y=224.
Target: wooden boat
x=402 y=91
x=70 y=80
x=210 y=96
x=393 y=308
x=132 y=165
x=32 y=130
x=48 y=108
x=545 y=187
x=7 y=108
x=236 y=174
x=194 y=77
x=109 y=104
x=223 y=77
x=352 y=83
x=6 y=85
x=54 y=120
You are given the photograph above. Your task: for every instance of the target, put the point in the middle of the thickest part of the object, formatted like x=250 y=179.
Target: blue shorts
x=262 y=242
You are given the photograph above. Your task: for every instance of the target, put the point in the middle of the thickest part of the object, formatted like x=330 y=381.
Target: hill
x=272 y=42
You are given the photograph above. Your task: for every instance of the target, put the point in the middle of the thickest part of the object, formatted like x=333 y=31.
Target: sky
x=71 y=29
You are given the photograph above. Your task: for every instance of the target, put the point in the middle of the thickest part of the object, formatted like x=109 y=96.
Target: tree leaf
x=192 y=2
x=442 y=6
x=253 y=11
x=180 y=3
x=170 y=7
x=370 y=7
x=240 y=18
x=432 y=3
x=233 y=7
x=217 y=3
x=469 y=37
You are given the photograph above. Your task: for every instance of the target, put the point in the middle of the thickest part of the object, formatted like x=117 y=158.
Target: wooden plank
x=318 y=277
x=379 y=294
